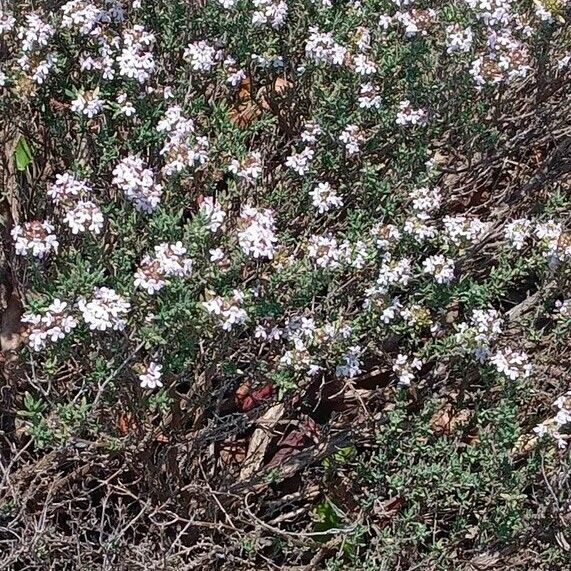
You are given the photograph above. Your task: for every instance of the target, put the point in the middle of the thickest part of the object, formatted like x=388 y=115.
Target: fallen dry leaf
x=279 y=87
x=246 y=109
x=126 y=423
x=246 y=401
x=445 y=420
x=233 y=452
x=260 y=440
x=485 y=561
x=11 y=328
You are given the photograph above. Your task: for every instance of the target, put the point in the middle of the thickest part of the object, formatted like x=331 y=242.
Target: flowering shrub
x=219 y=210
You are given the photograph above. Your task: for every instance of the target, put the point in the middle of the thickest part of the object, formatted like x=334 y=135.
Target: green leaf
x=22 y=154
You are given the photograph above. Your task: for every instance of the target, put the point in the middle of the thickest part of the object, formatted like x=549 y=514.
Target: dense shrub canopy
x=285 y=284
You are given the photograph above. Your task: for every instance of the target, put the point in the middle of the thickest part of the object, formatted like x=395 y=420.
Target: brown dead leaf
x=11 y=327
x=246 y=400
x=278 y=88
x=243 y=114
x=387 y=509
x=233 y=452
x=126 y=423
x=245 y=109
x=260 y=440
x=485 y=561
x=525 y=444
x=446 y=420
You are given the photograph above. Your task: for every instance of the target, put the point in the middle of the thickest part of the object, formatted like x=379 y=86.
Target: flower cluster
x=479 y=332
x=182 y=148
x=202 y=56
x=322 y=48
x=324 y=197
x=256 y=235
x=513 y=364
x=87 y=103
x=328 y=182
x=151 y=376
x=73 y=195
x=106 y=309
x=249 y=169
x=36 y=237
x=405 y=367
x=137 y=181
x=136 y=59
x=51 y=326
x=441 y=268
x=213 y=213
x=227 y=312
x=561 y=420
x=272 y=12
x=408 y=115
x=169 y=261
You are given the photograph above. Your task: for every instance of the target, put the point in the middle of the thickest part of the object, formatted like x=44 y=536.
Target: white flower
x=170 y=261
x=36 y=237
x=419 y=226
x=513 y=364
x=385 y=235
x=517 y=232
x=136 y=59
x=351 y=136
x=458 y=39
x=213 y=212
x=87 y=103
x=272 y=12
x=36 y=33
x=351 y=366
x=67 y=188
x=563 y=309
x=149 y=276
x=227 y=312
x=151 y=378
x=322 y=48
x=85 y=215
x=128 y=109
x=390 y=312
x=299 y=162
x=426 y=199
x=257 y=232
x=440 y=267
x=7 y=23
x=363 y=65
x=138 y=184
x=249 y=169
x=369 y=97
x=310 y=133
x=105 y=310
x=460 y=230
x=407 y=115
x=201 y=55
x=405 y=368
x=481 y=330
x=53 y=325
x=182 y=147
x=216 y=254
x=396 y=272
x=38 y=70
x=325 y=252
x=324 y=197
